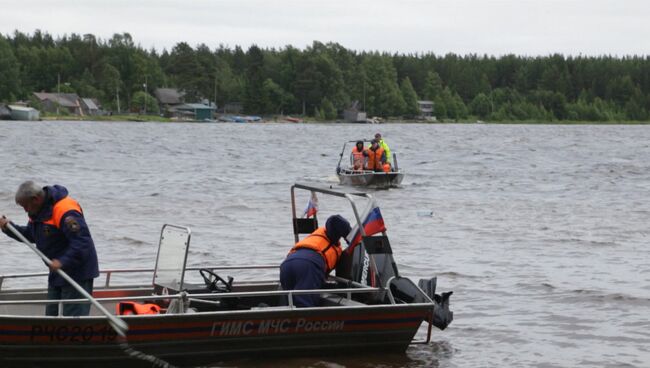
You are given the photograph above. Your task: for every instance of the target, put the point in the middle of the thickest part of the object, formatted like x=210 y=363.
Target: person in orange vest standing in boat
x=376 y=157
x=312 y=259
x=358 y=156
x=57 y=226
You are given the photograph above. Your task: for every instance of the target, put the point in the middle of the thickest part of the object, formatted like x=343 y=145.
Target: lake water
x=541 y=231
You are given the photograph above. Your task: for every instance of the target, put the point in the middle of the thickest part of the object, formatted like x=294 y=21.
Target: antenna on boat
x=118 y=325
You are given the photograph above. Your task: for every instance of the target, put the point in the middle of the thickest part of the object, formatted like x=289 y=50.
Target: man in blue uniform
x=312 y=258
x=57 y=226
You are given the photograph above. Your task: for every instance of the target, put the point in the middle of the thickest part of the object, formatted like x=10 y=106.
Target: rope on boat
x=155 y=361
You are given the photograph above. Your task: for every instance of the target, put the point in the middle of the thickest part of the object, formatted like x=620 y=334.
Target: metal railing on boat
x=107 y=274
x=348 y=292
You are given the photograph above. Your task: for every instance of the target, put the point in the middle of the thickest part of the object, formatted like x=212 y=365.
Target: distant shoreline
x=278 y=120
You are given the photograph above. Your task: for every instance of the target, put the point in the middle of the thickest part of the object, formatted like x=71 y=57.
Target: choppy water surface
x=541 y=231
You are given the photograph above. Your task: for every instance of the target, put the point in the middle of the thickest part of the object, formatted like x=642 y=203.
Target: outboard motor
x=371 y=263
x=442 y=316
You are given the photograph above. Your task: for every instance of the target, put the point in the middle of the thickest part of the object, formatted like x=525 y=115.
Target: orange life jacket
x=374 y=159
x=60 y=208
x=319 y=242
x=357 y=157
x=127 y=308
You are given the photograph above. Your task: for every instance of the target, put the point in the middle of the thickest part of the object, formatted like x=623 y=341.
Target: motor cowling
x=441 y=316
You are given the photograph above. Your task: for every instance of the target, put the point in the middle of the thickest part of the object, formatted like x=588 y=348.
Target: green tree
x=432 y=86
x=9 y=72
x=317 y=77
x=111 y=84
x=454 y=105
x=185 y=71
x=328 y=111
x=620 y=89
x=254 y=80
x=85 y=86
x=141 y=99
x=410 y=98
x=481 y=106
x=274 y=98
x=555 y=102
x=318 y=114
x=383 y=96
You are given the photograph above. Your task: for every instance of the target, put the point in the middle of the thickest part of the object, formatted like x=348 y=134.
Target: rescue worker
x=384 y=145
x=57 y=226
x=357 y=156
x=376 y=157
x=312 y=259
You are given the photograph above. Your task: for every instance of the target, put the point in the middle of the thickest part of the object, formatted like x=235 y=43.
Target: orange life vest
x=374 y=159
x=319 y=242
x=127 y=308
x=357 y=158
x=61 y=208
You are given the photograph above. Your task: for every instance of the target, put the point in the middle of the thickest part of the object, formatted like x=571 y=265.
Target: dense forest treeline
x=325 y=78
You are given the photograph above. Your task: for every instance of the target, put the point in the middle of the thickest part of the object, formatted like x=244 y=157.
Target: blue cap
x=337 y=227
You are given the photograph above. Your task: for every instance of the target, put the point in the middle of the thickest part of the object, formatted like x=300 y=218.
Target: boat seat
x=304 y=225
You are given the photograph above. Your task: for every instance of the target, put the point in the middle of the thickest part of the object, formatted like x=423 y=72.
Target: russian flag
x=312 y=206
x=373 y=223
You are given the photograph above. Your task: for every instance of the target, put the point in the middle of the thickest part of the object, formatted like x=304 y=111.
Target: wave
x=596 y=296
x=236 y=207
x=129 y=241
x=586 y=242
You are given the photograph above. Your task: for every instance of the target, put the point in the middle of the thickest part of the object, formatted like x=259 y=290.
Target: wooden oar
x=118 y=325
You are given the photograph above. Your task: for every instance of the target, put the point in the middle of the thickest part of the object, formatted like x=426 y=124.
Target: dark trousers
x=68 y=292
x=302 y=274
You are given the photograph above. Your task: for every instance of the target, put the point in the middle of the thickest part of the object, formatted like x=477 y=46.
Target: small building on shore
x=168 y=98
x=426 y=109
x=24 y=113
x=57 y=102
x=90 y=106
x=193 y=111
x=354 y=115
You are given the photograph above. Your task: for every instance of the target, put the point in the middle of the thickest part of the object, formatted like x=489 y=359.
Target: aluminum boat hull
x=201 y=338
x=371 y=179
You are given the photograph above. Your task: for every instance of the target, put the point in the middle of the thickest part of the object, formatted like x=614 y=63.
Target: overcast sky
x=495 y=27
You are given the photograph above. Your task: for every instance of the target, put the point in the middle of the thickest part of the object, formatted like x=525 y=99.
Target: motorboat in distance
x=367 y=178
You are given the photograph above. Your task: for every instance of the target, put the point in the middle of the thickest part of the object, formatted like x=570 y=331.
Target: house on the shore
x=91 y=106
x=426 y=110
x=57 y=102
x=193 y=111
x=354 y=115
x=168 y=98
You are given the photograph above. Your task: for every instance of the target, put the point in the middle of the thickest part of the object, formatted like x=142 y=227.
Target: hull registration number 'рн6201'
x=73 y=334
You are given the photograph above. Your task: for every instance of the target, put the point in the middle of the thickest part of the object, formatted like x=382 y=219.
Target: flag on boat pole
x=312 y=206
x=373 y=223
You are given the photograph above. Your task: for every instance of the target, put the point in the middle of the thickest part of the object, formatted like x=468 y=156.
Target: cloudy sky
x=495 y=27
